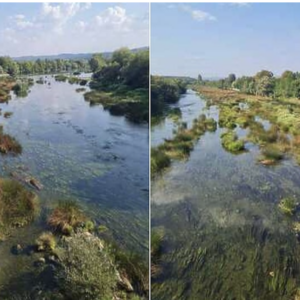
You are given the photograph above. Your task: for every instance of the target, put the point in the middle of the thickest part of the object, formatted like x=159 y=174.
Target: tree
x=231 y=78
x=97 y=62
x=265 y=86
x=199 y=78
x=136 y=74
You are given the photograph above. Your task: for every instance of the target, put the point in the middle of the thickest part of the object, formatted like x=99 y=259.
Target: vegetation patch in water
x=66 y=217
x=180 y=146
x=9 y=144
x=288 y=206
x=7 y=114
x=157 y=237
x=46 y=242
x=18 y=205
x=79 y=90
x=61 y=78
x=231 y=143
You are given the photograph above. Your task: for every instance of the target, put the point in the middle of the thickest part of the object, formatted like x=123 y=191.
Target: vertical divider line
x=149 y=161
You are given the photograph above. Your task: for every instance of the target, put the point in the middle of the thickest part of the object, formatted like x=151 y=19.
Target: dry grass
x=66 y=217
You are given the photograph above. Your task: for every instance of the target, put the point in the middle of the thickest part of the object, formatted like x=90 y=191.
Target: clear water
x=77 y=152
x=224 y=234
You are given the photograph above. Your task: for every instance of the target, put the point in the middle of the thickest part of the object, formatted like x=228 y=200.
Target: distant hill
x=70 y=56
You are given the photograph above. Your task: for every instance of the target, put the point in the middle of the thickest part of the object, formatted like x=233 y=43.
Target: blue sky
x=215 y=39
x=52 y=28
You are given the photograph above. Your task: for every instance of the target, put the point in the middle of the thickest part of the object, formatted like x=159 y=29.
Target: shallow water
x=224 y=234
x=78 y=152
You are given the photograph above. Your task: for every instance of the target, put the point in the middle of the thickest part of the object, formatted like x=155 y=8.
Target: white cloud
x=21 y=22
x=68 y=27
x=114 y=18
x=198 y=15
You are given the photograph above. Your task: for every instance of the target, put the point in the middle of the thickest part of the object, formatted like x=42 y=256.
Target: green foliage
x=159 y=161
x=164 y=91
x=121 y=84
x=15 y=68
x=262 y=84
x=18 y=206
x=86 y=270
x=46 y=242
x=231 y=142
x=288 y=206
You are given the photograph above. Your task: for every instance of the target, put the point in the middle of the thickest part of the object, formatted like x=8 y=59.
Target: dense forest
x=263 y=83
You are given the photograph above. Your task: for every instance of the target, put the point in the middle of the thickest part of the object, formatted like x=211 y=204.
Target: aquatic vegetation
x=174 y=114
x=231 y=142
x=181 y=145
x=156 y=249
x=66 y=217
x=96 y=97
x=46 y=242
x=271 y=155
x=89 y=226
x=40 y=80
x=61 y=77
x=7 y=114
x=159 y=161
x=133 y=269
x=288 y=206
x=79 y=90
x=102 y=228
x=6 y=85
x=9 y=144
x=18 y=205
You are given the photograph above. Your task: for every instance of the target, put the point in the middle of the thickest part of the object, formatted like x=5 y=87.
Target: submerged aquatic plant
x=288 y=206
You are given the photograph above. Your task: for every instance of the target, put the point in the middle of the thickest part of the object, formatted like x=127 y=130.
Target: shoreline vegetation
x=121 y=84
x=248 y=103
x=79 y=257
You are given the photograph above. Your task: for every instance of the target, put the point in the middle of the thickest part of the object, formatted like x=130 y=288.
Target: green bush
x=86 y=271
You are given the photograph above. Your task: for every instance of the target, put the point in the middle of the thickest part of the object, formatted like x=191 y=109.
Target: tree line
x=123 y=68
x=41 y=66
x=263 y=83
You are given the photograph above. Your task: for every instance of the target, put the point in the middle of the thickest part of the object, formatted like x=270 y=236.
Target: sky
x=54 y=28
x=216 y=39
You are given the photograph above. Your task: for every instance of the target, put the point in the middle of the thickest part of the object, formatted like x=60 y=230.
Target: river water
x=224 y=236
x=80 y=152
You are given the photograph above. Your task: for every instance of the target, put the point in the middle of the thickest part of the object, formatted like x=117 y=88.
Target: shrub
x=66 y=216
x=86 y=270
x=46 y=242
